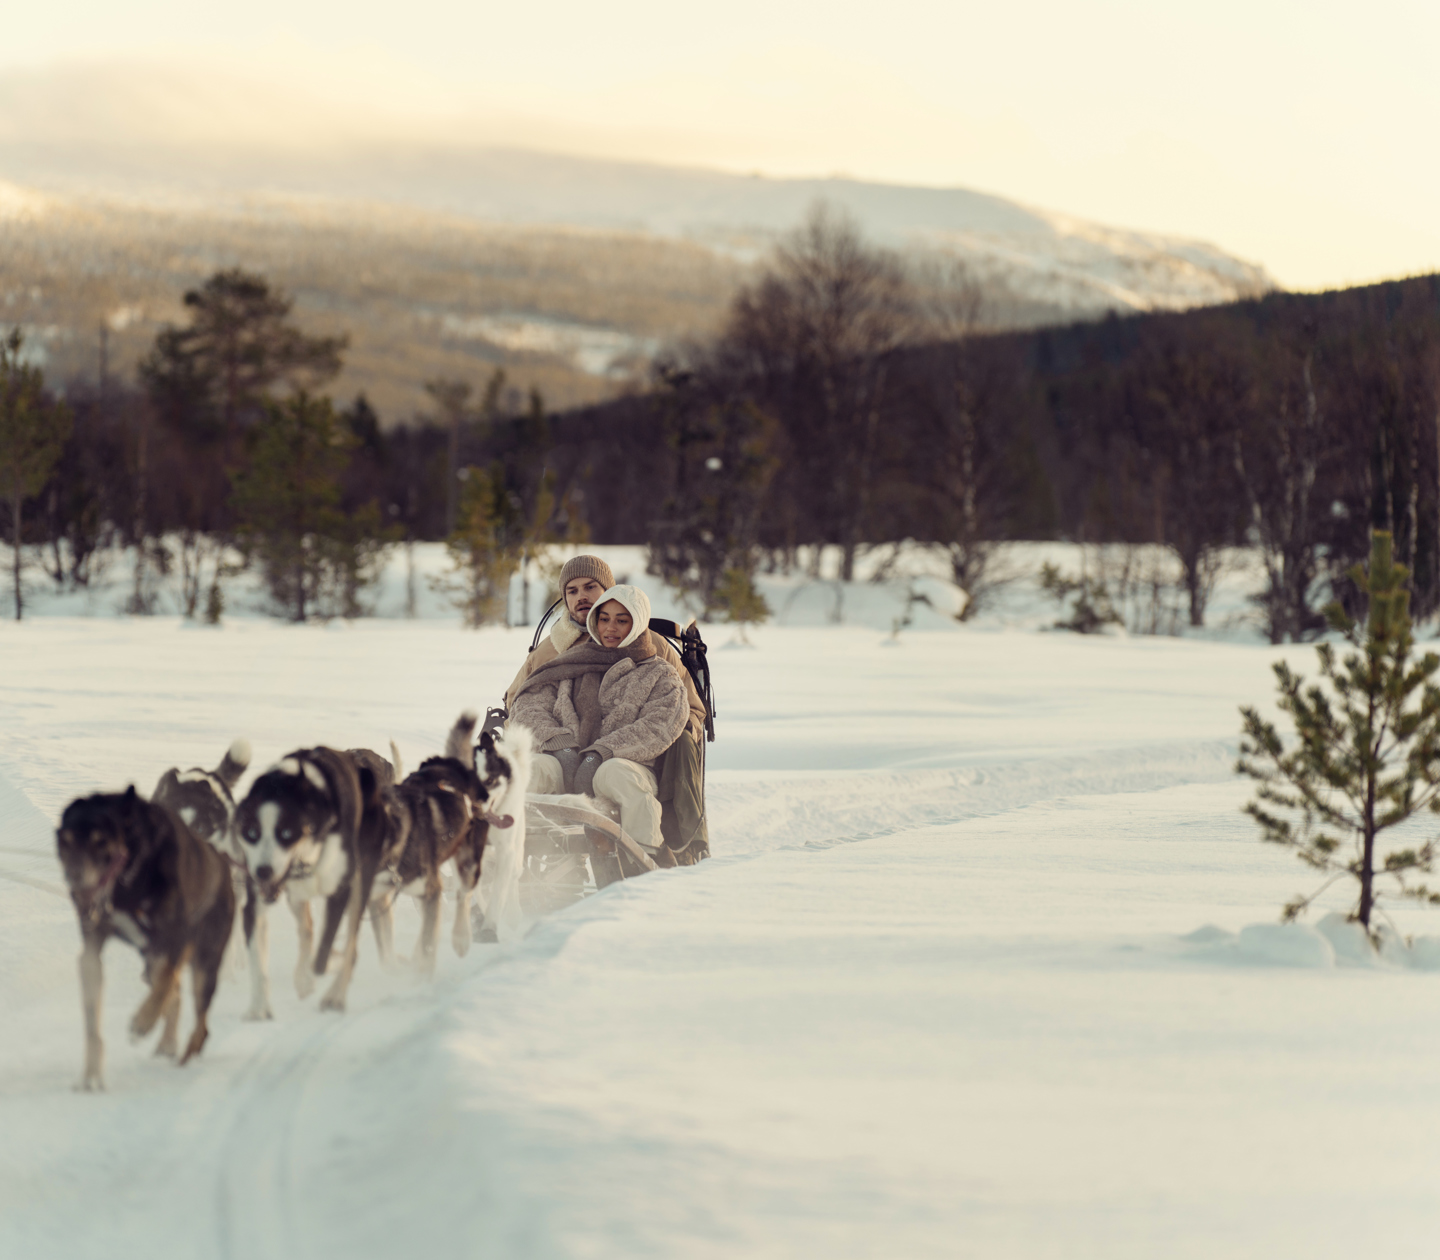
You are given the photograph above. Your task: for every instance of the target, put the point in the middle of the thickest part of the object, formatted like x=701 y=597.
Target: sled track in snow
x=756 y=816
x=255 y=1185
x=45 y=886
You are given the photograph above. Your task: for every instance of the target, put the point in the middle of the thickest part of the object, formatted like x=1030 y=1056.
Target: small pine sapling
x=737 y=596
x=1366 y=753
x=1092 y=610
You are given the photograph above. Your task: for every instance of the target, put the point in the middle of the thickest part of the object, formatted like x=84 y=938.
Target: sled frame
x=575 y=846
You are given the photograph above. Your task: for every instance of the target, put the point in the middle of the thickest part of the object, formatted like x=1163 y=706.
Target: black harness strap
x=540 y=626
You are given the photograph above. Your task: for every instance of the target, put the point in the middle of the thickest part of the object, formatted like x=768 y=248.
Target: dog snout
x=265 y=873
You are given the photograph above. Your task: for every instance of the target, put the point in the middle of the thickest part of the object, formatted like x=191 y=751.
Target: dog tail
x=460 y=742
x=518 y=746
x=235 y=763
x=395 y=761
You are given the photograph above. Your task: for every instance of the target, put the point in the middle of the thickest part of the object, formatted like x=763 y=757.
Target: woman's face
x=612 y=623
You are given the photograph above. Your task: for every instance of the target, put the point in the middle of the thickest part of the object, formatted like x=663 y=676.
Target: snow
x=987 y=963
x=893 y=584
x=598 y=351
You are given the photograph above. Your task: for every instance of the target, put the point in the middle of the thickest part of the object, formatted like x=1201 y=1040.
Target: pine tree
x=494 y=535
x=316 y=558
x=705 y=542
x=209 y=384
x=33 y=431
x=1366 y=753
x=481 y=547
x=739 y=599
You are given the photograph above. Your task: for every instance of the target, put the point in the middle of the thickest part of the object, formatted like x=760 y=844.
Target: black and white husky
x=440 y=824
x=311 y=826
x=204 y=800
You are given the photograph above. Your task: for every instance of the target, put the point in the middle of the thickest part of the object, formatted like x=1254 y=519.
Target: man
x=582 y=581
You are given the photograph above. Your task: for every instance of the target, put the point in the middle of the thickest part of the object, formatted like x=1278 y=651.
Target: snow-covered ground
x=893 y=585
x=942 y=991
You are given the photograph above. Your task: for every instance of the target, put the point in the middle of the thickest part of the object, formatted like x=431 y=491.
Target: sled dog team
x=167 y=874
x=590 y=712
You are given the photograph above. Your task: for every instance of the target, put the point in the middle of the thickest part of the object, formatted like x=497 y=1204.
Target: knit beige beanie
x=587 y=566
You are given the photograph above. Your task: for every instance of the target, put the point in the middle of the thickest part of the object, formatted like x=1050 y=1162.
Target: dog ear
x=487 y=740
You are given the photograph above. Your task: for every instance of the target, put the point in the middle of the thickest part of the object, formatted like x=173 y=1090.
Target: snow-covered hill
x=177 y=139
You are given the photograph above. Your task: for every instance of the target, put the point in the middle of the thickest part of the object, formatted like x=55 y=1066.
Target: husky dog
x=311 y=826
x=204 y=801
x=441 y=811
x=504 y=768
x=137 y=872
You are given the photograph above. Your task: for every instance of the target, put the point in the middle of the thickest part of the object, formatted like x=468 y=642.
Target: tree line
x=225 y=453
x=849 y=401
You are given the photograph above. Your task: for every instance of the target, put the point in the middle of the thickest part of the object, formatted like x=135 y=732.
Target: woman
x=604 y=711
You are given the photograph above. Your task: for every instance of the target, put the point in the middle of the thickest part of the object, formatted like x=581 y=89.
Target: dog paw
x=304 y=983
x=256 y=1013
x=90 y=1085
x=461 y=938
x=332 y=1002
x=166 y=1049
x=487 y=936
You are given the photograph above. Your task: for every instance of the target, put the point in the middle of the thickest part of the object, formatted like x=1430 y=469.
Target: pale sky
x=1298 y=135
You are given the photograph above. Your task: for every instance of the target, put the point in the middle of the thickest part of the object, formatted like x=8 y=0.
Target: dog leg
x=212 y=943
x=257 y=938
x=428 y=944
x=382 y=920
x=202 y=981
x=360 y=888
x=460 y=937
x=92 y=989
x=305 y=926
x=169 y=1045
x=235 y=953
x=335 y=905
x=205 y=966
x=164 y=976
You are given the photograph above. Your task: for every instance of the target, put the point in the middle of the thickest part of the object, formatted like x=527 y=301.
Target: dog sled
x=575 y=845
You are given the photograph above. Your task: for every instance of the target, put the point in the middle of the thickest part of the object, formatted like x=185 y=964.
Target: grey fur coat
x=643 y=704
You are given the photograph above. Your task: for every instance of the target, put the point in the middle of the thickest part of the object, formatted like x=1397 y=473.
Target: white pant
x=629 y=784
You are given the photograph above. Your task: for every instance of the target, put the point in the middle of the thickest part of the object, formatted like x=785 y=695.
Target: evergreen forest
x=846 y=400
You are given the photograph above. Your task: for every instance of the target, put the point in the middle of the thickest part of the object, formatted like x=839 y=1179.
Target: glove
x=569 y=759
x=585 y=774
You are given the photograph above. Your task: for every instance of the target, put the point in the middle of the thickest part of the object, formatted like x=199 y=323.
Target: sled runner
x=574 y=846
